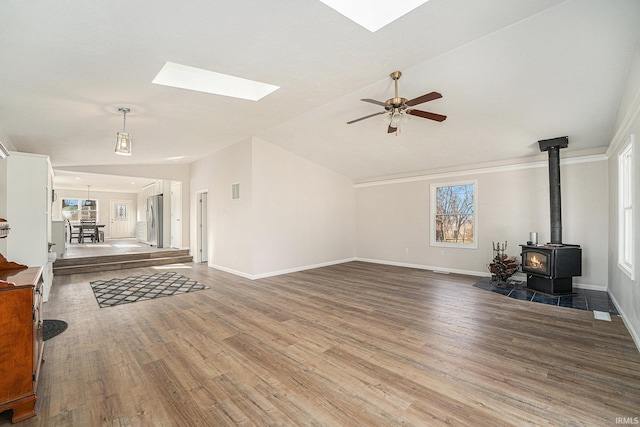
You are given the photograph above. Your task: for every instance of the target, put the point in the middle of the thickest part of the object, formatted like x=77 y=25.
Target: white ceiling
x=90 y=182
x=511 y=72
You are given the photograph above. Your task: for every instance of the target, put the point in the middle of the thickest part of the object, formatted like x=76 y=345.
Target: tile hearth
x=581 y=299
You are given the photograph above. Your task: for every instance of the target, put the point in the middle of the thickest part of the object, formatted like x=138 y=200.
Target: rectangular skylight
x=373 y=14
x=185 y=77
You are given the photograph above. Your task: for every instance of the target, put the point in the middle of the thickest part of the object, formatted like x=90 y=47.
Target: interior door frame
x=176 y=215
x=202 y=220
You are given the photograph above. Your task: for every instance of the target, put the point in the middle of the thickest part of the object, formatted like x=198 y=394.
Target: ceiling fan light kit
x=398 y=110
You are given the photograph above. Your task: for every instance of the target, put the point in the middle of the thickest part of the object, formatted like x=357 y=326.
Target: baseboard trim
x=602 y=288
x=231 y=271
x=302 y=268
x=634 y=334
x=426 y=267
x=280 y=272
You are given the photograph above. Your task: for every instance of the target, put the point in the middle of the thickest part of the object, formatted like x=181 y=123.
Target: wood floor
x=355 y=344
x=108 y=247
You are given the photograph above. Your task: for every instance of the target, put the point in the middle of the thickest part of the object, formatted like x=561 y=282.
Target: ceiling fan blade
x=427 y=115
x=366 y=117
x=391 y=129
x=373 y=101
x=424 y=98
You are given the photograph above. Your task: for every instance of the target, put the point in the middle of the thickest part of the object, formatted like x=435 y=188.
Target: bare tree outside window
x=453 y=215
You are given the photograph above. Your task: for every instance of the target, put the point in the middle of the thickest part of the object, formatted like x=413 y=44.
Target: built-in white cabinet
x=141 y=231
x=26 y=190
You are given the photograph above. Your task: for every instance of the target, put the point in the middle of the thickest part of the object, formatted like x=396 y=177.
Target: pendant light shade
x=123 y=139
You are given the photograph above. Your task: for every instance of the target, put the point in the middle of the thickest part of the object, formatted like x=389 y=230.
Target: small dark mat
x=51 y=328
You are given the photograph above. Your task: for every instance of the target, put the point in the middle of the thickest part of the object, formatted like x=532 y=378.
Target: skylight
x=185 y=77
x=373 y=14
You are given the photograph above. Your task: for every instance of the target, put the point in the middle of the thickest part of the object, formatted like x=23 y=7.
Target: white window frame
x=77 y=213
x=626 y=189
x=432 y=217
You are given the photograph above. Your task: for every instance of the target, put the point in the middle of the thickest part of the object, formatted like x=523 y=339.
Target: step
x=134 y=256
x=118 y=262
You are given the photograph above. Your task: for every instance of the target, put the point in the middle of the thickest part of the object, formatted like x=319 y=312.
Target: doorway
x=121 y=219
x=202 y=216
x=176 y=214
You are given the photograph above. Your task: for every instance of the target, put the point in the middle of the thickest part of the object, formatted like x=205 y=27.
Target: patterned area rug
x=140 y=288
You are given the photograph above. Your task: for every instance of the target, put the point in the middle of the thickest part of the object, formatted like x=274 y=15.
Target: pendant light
x=123 y=139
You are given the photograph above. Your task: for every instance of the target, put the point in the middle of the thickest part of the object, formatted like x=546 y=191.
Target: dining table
x=96 y=231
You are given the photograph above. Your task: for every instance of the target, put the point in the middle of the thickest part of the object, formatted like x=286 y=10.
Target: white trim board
x=435 y=269
x=635 y=335
x=623 y=131
x=280 y=272
x=426 y=267
x=478 y=171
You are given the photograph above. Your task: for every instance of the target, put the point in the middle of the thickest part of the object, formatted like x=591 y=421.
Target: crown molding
x=485 y=170
x=622 y=133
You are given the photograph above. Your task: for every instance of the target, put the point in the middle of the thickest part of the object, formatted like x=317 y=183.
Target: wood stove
x=550 y=268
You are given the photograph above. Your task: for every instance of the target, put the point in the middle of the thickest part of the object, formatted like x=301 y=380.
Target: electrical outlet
x=442 y=252
x=406 y=250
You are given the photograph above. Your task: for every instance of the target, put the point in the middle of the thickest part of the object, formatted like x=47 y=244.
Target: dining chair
x=73 y=232
x=88 y=229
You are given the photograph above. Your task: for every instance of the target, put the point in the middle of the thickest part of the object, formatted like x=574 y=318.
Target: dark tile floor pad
x=581 y=299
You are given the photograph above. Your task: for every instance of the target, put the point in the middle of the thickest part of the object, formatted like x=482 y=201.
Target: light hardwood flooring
x=108 y=247
x=355 y=344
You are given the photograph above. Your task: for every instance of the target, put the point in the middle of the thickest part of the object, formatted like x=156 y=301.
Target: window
x=625 y=202
x=453 y=215
x=77 y=209
x=120 y=212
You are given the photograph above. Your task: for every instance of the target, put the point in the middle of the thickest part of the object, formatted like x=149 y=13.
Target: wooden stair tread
x=64 y=262
x=119 y=262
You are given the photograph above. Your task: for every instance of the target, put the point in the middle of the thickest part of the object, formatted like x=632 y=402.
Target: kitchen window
x=77 y=209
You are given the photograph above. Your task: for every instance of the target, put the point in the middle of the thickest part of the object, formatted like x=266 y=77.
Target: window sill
x=627 y=270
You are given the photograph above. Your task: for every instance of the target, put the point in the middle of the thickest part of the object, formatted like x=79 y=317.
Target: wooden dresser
x=21 y=342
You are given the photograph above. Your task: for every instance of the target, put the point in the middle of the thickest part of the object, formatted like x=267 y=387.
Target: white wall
x=624 y=290
x=230 y=221
x=292 y=214
x=393 y=217
x=304 y=213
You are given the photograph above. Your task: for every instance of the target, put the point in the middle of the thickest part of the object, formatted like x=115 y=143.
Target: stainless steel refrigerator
x=154 y=220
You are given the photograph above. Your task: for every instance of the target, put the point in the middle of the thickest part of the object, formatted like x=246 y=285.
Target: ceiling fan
x=398 y=109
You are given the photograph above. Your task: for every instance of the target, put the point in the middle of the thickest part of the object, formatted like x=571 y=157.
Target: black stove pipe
x=553 y=146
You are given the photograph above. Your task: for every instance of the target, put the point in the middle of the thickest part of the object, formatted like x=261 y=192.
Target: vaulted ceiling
x=511 y=72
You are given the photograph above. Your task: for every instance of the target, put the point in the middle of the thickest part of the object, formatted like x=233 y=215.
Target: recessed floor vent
x=601 y=315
